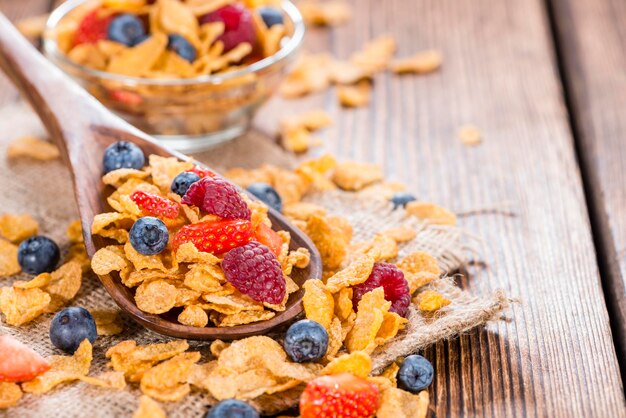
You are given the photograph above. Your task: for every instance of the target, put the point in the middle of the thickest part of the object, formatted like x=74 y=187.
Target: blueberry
x=149 y=235
x=232 y=408
x=123 y=154
x=271 y=16
x=181 y=182
x=415 y=374
x=306 y=340
x=70 y=327
x=182 y=47
x=126 y=29
x=267 y=194
x=38 y=254
x=401 y=199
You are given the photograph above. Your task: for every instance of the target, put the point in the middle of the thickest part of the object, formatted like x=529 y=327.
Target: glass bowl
x=187 y=114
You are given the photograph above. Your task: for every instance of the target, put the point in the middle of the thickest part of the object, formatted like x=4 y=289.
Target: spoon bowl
x=82 y=128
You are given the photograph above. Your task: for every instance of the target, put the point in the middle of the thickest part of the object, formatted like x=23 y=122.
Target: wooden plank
x=592 y=41
x=16 y=10
x=555 y=357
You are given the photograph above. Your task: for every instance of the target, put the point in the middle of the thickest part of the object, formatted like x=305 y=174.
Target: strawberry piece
x=215 y=237
x=92 y=28
x=268 y=237
x=340 y=395
x=202 y=172
x=218 y=197
x=18 y=362
x=155 y=205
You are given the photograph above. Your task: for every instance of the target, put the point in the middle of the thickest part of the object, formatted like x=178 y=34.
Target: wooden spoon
x=82 y=128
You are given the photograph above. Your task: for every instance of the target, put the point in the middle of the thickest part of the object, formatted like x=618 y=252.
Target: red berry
x=18 y=362
x=155 y=205
x=218 y=197
x=340 y=395
x=254 y=270
x=202 y=172
x=215 y=237
x=393 y=282
x=92 y=28
x=238 y=25
x=268 y=237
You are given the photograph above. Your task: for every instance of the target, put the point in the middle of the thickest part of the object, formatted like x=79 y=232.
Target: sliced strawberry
x=215 y=237
x=18 y=362
x=155 y=205
x=268 y=237
x=125 y=97
x=92 y=28
x=340 y=395
x=202 y=172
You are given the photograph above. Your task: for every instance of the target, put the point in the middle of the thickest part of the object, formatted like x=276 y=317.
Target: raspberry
x=238 y=24
x=215 y=237
x=339 y=395
x=218 y=197
x=393 y=282
x=254 y=270
x=92 y=28
x=155 y=205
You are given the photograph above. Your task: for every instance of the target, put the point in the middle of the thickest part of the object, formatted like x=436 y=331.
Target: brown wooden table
x=545 y=83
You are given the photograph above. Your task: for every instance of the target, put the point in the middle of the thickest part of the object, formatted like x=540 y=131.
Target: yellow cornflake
x=390 y=373
x=400 y=234
x=469 y=135
x=16 y=228
x=376 y=54
x=156 y=297
x=303 y=210
x=397 y=403
x=10 y=394
x=369 y=319
x=329 y=240
x=421 y=63
x=430 y=301
x=107 y=322
x=242 y=318
x=391 y=325
x=318 y=303
x=188 y=253
x=343 y=303
x=357 y=363
x=335 y=339
x=194 y=316
x=167 y=382
x=75 y=232
x=354 y=176
x=325 y=13
x=419 y=269
x=118 y=177
x=32 y=26
x=357 y=95
x=135 y=360
x=164 y=169
x=32 y=147
x=356 y=273
x=431 y=213
x=148 y=408
x=62 y=369
x=21 y=306
x=310 y=75
x=8 y=259
x=137 y=60
x=64 y=284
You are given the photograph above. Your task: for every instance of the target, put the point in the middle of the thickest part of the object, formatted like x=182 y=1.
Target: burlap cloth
x=44 y=190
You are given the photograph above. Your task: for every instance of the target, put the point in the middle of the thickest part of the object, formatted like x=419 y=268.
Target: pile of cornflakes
x=24 y=301
x=183 y=278
x=153 y=55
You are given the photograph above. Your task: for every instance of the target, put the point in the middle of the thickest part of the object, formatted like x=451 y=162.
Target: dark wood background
x=545 y=83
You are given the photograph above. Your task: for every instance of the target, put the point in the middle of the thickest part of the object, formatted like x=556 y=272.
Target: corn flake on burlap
x=43 y=189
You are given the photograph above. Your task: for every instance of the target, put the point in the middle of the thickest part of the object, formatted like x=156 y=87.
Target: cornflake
x=469 y=135
x=32 y=147
x=16 y=228
x=357 y=95
x=167 y=382
x=21 y=306
x=354 y=176
x=397 y=403
x=318 y=303
x=357 y=363
x=156 y=297
x=356 y=273
x=194 y=316
x=369 y=319
x=326 y=13
x=329 y=240
x=107 y=322
x=135 y=360
x=430 y=301
x=431 y=213
x=148 y=408
x=8 y=259
x=421 y=63
x=10 y=394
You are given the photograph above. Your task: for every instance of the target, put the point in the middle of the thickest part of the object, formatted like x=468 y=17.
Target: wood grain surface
x=592 y=40
x=555 y=356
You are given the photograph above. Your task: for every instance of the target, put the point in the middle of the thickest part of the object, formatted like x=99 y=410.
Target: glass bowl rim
x=295 y=41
